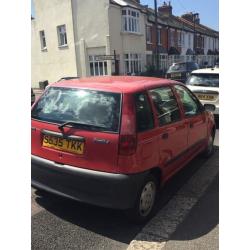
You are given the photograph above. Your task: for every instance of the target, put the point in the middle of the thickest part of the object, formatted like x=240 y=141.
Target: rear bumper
x=94 y=187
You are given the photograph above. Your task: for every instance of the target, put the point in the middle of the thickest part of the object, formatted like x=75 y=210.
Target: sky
x=208 y=9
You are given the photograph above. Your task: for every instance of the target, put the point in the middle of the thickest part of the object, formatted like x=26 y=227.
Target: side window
x=144 y=114
x=190 y=104
x=166 y=105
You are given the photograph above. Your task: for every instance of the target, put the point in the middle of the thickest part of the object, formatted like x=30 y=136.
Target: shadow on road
x=203 y=217
x=113 y=223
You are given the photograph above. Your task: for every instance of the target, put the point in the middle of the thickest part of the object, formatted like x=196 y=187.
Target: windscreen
x=177 y=67
x=206 y=80
x=90 y=107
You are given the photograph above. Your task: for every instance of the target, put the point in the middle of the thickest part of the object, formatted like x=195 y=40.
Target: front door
x=194 y=116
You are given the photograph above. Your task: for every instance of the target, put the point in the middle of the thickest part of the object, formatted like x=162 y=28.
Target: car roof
x=206 y=71
x=121 y=84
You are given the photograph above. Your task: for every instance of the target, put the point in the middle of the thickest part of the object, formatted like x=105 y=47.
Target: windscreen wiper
x=80 y=124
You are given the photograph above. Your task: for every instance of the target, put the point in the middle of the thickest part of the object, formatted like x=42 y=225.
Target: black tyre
x=145 y=201
x=210 y=146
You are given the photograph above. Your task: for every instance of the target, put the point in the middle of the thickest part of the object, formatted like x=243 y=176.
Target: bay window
x=130 y=20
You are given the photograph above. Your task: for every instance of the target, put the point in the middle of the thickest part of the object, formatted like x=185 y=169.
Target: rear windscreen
x=97 y=108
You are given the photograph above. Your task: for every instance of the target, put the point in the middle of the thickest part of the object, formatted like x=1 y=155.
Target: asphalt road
x=58 y=223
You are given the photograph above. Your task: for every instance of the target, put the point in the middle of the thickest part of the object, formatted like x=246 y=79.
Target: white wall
x=124 y=42
x=91 y=31
x=55 y=62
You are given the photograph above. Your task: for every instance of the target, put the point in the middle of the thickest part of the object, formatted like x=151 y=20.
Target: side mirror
x=209 y=107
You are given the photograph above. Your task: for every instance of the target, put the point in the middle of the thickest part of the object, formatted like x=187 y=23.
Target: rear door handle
x=164 y=136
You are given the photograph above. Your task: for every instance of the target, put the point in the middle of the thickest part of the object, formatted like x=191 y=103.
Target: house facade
x=181 y=38
x=72 y=37
x=107 y=37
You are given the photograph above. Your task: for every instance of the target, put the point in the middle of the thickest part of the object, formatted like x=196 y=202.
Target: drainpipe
x=157 y=41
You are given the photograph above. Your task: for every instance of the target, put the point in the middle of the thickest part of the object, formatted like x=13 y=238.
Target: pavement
x=186 y=217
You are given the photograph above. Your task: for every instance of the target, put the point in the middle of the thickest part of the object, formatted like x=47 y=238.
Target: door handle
x=191 y=125
x=164 y=136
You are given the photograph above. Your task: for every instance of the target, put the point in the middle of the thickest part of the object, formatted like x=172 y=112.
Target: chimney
x=196 y=18
x=165 y=9
x=192 y=17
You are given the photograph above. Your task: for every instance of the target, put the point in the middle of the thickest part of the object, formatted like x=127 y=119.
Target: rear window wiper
x=80 y=124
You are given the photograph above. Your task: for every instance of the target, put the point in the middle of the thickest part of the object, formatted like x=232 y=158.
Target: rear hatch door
x=77 y=127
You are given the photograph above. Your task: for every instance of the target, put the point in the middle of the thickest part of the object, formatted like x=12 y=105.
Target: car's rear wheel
x=144 y=205
x=210 y=146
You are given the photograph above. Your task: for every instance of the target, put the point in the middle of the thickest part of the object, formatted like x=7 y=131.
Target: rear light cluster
x=127 y=144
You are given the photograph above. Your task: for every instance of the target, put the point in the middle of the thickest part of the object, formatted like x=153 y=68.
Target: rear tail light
x=127 y=144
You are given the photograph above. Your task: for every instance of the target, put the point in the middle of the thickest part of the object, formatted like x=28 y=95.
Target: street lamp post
x=157 y=40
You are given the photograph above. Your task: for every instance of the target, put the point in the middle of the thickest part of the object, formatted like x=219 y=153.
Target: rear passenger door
x=147 y=152
x=194 y=116
x=171 y=130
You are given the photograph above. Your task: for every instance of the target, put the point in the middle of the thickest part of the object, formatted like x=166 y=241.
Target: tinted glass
x=144 y=114
x=86 y=106
x=206 y=80
x=166 y=105
x=190 y=104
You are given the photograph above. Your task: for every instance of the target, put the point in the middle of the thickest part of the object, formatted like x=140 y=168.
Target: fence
x=166 y=60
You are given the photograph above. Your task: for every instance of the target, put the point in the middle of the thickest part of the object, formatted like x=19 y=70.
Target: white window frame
x=134 y=61
x=130 y=20
x=163 y=61
x=62 y=35
x=43 y=40
x=159 y=36
x=179 y=35
x=189 y=40
x=172 y=38
x=149 y=34
x=183 y=39
x=100 y=64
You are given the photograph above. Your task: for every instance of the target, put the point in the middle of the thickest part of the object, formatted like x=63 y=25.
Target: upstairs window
x=179 y=39
x=149 y=34
x=172 y=38
x=130 y=20
x=43 y=40
x=189 y=40
x=62 y=35
x=159 y=36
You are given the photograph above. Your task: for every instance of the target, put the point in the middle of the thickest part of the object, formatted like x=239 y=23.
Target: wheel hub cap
x=147 y=198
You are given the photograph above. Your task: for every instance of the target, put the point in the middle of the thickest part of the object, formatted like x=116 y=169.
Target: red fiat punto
x=115 y=141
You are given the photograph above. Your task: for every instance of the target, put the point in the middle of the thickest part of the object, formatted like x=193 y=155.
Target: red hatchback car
x=115 y=141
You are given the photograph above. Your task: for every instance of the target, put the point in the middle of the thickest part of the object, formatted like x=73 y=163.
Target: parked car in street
x=33 y=96
x=180 y=71
x=204 y=83
x=115 y=141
